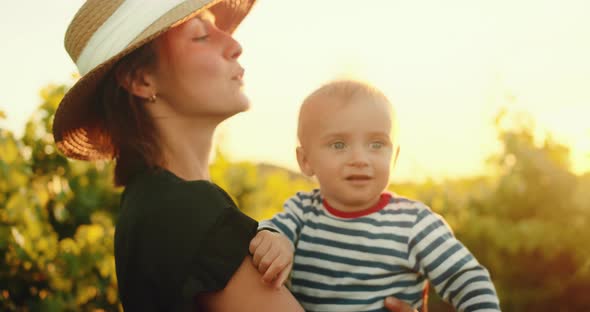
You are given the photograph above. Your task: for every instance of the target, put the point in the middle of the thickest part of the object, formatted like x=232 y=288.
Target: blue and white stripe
x=353 y=264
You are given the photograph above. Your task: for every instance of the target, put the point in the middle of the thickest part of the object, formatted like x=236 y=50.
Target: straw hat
x=101 y=33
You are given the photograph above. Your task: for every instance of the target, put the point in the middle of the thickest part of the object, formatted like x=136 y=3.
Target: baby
x=355 y=243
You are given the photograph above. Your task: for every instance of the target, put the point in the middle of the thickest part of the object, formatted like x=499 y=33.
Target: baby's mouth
x=358 y=177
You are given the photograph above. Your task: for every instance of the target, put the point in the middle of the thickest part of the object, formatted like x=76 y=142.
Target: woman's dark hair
x=132 y=130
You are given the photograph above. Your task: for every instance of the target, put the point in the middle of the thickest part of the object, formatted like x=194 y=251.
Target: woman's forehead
x=197 y=21
x=206 y=15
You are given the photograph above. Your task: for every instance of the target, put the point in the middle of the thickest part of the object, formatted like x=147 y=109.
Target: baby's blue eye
x=376 y=145
x=338 y=145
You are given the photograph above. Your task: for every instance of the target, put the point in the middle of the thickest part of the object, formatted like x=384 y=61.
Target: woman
x=156 y=81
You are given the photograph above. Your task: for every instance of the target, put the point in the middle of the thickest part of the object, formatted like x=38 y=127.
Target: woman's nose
x=234 y=49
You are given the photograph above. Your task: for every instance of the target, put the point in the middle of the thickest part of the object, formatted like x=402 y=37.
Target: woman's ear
x=303 y=161
x=140 y=82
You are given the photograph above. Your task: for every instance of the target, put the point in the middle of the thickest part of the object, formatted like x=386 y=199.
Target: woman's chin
x=243 y=103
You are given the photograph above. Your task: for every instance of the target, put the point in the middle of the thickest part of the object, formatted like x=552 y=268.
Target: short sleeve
x=187 y=238
x=221 y=253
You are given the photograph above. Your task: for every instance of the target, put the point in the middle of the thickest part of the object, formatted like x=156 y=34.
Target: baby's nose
x=359 y=158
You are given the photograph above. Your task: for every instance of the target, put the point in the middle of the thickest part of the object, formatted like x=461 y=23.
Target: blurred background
x=493 y=99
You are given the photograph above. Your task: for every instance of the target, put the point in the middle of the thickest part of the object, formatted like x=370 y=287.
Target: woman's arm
x=246 y=292
x=395 y=305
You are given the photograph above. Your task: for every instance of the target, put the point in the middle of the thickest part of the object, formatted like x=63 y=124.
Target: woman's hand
x=395 y=305
x=272 y=254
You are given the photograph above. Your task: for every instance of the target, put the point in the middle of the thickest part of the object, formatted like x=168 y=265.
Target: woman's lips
x=239 y=75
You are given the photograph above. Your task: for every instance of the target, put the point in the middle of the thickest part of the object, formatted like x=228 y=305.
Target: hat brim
x=78 y=129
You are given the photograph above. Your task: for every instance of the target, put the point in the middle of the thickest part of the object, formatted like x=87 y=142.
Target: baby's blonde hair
x=344 y=91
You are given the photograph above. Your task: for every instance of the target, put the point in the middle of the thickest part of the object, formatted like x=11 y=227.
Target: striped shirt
x=353 y=263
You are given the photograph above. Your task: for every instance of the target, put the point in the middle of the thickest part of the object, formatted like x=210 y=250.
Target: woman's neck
x=186 y=147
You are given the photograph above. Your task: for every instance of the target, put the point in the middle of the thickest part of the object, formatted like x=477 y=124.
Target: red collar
x=383 y=200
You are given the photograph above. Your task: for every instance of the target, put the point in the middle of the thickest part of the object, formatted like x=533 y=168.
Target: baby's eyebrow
x=333 y=135
x=378 y=134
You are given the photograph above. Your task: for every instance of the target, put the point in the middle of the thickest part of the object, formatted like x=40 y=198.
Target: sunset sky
x=448 y=67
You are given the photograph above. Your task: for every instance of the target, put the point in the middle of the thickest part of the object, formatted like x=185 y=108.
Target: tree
x=528 y=229
x=56 y=230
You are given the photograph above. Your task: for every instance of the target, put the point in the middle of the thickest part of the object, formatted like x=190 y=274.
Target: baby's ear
x=395 y=155
x=303 y=161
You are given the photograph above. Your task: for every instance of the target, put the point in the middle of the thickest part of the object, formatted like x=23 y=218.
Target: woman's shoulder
x=161 y=195
x=162 y=185
x=160 y=179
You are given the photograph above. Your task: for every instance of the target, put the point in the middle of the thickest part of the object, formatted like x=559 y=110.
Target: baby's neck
x=340 y=209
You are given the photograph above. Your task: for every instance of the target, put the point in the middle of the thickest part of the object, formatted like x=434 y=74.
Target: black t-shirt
x=175 y=239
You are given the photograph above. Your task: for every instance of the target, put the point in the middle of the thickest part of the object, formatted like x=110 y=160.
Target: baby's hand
x=273 y=256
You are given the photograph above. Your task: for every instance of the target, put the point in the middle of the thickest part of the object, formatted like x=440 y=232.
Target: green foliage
x=528 y=223
x=259 y=190
x=56 y=222
x=534 y=220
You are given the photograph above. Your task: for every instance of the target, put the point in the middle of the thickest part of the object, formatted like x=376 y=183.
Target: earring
x=152 y=98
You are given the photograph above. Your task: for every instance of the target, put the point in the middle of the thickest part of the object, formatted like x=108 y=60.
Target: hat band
x=134 y=16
